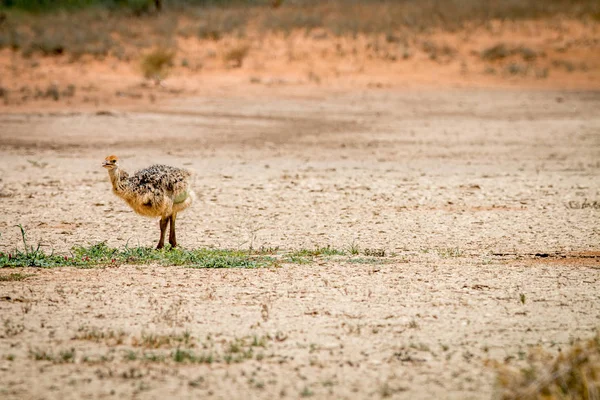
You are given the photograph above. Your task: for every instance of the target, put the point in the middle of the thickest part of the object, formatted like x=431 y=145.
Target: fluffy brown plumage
x=157 y=191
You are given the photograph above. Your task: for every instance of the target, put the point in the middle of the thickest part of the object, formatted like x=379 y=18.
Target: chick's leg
x=163 y=227
x=172 y=238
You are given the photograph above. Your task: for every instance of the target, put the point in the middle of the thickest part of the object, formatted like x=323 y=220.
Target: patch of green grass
x=212 y=258
x=294 y=259
x=190 y=356
x=259 y=341
x=101 y=255
x=131 y=355
x=265 y=250
x=242 y=349
x=153 y=357
x=306 y=256
x=232 y=351
x=41 y=355
x=183 y=355
x=319 y=251
x=64 y=356
x=31 y=257
x=368 y=260
x=110 y=337
x=155 y=341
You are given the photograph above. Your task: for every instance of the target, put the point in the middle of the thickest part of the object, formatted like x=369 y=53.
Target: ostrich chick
x=157 y=191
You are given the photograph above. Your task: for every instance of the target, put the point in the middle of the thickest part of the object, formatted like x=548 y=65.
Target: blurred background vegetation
x=124 y=29
x=442 y=8
x=91 y=26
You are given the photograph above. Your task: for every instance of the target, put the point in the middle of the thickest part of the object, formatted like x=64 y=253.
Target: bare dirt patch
x=416 y=329
x=450 y=194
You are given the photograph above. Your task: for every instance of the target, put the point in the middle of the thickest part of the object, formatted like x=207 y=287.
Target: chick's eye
x=113 y=161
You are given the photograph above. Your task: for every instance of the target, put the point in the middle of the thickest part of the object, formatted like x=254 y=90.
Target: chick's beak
x=105 y=164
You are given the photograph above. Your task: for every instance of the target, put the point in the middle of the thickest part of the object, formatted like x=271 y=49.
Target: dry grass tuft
x=501 y=51
x=155 y=65
x=110 y=337
x=574 y=374
x=235 y=56
x=14 y=277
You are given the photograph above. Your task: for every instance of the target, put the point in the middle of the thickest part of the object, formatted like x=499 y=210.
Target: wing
x=163 y=180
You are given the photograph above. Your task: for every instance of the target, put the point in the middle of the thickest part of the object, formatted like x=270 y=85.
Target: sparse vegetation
x=182 y=348
x=522 y=298
x=155 y=65
x=501 y=51
x=41 y=355
x=265 y=250
x=371 y=260
x=12 y=327
x=235 y=351
x=62 y=357
x=109 y=337
x=345 y=310
x=214 y=23
x=441 y=53
x=94 y=27
x=449 y=252
x=573 y=374
x=155 y=341
x=374 y=252
x=317 y=252
x=235 y=56
x=15 y=277
x=101 y=255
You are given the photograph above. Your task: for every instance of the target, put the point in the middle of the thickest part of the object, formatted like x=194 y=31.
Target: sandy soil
x=484 y=171
x=417 y=329
x=461 y=187
x=484 y=198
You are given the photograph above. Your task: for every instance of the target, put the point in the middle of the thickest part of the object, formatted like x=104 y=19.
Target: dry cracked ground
x=482 y=206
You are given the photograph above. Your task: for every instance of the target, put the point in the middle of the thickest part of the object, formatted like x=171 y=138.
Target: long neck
x=119 y=181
